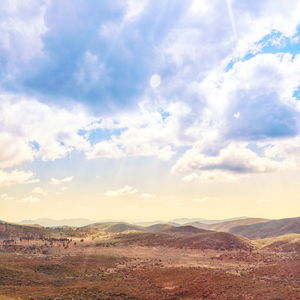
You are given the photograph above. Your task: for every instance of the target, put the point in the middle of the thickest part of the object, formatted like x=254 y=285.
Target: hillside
x=110 y=227
x=199 y=225
x=269 y=229
x=184 y=221
x=159 y=227
x=8 y=230
x=284 y=243
x=228 y=225
x=185 y=229
x=206 y=240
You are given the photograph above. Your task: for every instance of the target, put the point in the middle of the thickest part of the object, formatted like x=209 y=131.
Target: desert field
x=176 y=264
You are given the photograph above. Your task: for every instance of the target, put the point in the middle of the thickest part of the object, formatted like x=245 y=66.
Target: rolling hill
x=9 y=230
x=283 y=243
x=110 y=227
x=205 y=240
x=184 y=229
x=159 y=227
x=229 y=225
x=271 y=228
x=183 y=221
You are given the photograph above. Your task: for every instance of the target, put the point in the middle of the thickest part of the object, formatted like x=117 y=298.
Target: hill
x=205 y=240
x=184 y=221
x=271 y=228
x=284 y=243
x=111 y=227
x=199 y=225
x=9 y=230
x=228 y=225
x=185 y=229
x=159 y=227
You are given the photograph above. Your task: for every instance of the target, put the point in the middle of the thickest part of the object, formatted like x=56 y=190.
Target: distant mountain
x=45 y=222
x=228 y=225
x=149 y=223
x=204 y=221
x=268 y=229
x=80 y=222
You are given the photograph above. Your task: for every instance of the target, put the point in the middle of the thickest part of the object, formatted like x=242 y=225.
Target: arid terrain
x=162 y=261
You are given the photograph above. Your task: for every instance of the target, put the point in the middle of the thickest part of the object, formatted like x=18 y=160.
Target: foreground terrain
x=115 y=261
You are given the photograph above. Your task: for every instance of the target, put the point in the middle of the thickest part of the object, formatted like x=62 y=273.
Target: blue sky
x=201 y=93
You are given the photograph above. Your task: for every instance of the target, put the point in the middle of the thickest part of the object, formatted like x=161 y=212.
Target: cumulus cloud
x=145 y=132
x=14 y=150
x=227 y=85
x=31 y=129
x=62 y=180
x=236 y=160
x=284 y=150
x=20 y=39
x=124 y=191
x=255 y=105
x=16 y=177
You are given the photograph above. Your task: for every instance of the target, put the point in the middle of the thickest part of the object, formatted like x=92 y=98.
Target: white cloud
x=134 y=8
x=106 y=149
x=60 y=181
x=38 y=190
x=143 y=133
x=16 y=177
x=31 y=129
x=30 y=199
x=284 y=150
x=258 y=89
x=261 y=90
x=234 y=161
x=13 y=150
x=126 y=190
x=215 y=108
x=21 y=39
x=212 y=176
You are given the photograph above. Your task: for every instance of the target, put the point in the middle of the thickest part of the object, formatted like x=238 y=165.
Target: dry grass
x=136 y=266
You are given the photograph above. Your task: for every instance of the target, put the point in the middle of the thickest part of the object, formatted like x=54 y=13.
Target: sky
x=143 y=110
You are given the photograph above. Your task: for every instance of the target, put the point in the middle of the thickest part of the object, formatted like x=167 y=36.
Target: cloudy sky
x=145 y=109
